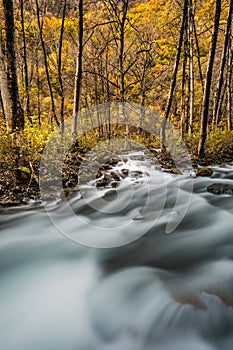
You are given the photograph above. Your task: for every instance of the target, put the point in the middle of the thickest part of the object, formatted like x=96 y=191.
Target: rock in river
x=220 y=188
x=204 y=172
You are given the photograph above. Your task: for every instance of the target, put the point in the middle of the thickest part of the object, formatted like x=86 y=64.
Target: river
x=163 y=280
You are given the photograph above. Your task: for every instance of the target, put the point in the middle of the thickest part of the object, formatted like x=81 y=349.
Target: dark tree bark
x=229 y=84
x=191 y=77
x=17 y=116
x=175 y=70
x=2 y=106
x=61 y=91
x=219 y=90
x=38 y=88
x=184 y=80
x=122 y=49
x=209 y=72
x=198 y=54
x=25 y=65
x=79 y=71
x=54 y=116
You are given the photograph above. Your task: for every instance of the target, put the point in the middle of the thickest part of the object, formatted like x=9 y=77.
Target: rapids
x=163 y=280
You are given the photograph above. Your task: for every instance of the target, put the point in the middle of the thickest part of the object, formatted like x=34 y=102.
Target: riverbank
x=19 y=183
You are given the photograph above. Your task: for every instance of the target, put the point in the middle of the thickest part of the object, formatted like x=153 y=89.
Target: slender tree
x=5 y=92
x=175 y=70
x=191 y=76
x=61 y=90
x=229 y=84
x=184 y=79
x=40 y=26
x=13 y=106
x=25 y=63
x=79 y=70
x=209 y=73
x=198 y=54
x=219 y=89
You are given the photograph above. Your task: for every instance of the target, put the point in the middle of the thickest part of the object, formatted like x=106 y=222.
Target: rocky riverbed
x=19 y=184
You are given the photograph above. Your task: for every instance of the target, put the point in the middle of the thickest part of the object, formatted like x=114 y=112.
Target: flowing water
x=171 y=287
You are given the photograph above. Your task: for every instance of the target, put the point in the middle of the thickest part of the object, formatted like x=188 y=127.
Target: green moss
x=207 y=172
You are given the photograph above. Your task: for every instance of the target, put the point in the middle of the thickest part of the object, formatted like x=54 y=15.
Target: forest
x=60 y=57
x=116 y=174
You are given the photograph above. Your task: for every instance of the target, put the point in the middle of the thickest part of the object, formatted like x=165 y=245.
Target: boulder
x=102 y=182
x=207 y=172
x=220 y=188
x=22 y=174
x=125 y=172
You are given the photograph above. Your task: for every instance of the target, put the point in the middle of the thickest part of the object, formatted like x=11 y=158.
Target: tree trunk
x=175 y=70
x=198 y=54
x=78 y=75
x=229 y=85
x=206 y=97
x=13 y=106
x=216 y=116
x=122 y=50
x=184 y=81
x=2 y=106
x=5 y=92
x=191 y=78
x=38 y=84
x=54 y=116
x=61 y=91
x=122 y=70
x=25 y=65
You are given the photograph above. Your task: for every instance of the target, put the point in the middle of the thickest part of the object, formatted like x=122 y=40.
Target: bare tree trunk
x=109 y=131
x=118 y=11
x=216 y=116
x=191 y=78
x=198 y=54
x=25 y=65
x=206 y=97
x=229 y=84
x=61 y=91
x=17 y=116
x=2 y=106
x=79 y=71
x=54 y=116
x=175 y=70
x=38 y=88
x=184 y=81
x=122 y=49
x=122 y=71
x=5 y=93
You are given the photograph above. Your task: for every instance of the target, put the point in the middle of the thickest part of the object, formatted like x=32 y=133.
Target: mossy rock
x=205 y=172
x=17 y=189
x=22 y=174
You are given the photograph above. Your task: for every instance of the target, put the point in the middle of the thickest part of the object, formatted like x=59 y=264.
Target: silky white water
x=170 y=288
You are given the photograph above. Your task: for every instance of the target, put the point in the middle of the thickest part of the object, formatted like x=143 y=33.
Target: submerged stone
x=220 y=188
